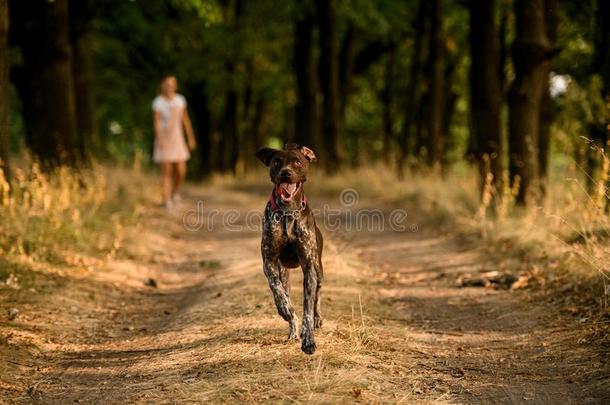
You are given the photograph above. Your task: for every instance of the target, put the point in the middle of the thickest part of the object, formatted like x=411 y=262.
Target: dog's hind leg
x=285 y=279
x=273 y=270
x=317 y=314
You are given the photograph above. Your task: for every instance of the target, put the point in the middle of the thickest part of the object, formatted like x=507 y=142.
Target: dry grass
x=56 y=217
x=566 y=236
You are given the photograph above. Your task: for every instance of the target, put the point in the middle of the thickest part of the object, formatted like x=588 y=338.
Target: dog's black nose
x=285 y=174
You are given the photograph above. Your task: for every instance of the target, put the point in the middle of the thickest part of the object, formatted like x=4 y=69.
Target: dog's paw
x=317 y=322
x=308 y=345
x=293 y=331
x=292 y=337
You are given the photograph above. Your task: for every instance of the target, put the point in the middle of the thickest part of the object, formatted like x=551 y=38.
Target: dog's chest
x=287 y=226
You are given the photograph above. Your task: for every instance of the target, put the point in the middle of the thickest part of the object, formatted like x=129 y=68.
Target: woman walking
x=171 y=152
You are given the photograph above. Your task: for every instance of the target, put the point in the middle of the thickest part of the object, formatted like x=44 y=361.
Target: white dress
x=170 y=145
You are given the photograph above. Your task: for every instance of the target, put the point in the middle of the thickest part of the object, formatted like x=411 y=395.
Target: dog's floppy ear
x=265 y=155
x=308 y=153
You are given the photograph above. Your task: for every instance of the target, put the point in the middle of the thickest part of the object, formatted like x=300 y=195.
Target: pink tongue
x=287 y=189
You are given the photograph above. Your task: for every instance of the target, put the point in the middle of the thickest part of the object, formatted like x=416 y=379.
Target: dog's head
x=287 y=167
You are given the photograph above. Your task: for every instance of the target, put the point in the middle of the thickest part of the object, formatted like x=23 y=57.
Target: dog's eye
x=297 y=163
x=276 y=163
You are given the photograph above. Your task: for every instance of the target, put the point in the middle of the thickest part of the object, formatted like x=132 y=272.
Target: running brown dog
x=291 y=238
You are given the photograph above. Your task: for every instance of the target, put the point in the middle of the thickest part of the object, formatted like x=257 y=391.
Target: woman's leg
x=166 y=172
x=179 y=174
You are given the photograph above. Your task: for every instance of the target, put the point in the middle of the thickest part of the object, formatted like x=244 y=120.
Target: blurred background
x=505 y=85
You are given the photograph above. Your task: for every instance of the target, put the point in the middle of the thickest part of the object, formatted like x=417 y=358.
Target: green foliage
x=208 y=11
x=581 y=108
x=136 y=42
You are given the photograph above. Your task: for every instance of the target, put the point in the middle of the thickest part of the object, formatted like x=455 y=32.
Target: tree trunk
x=306 y=110
x=254 y=132
x=530 y=51
x=346 y=67
x=421 y=134
x=80 y=19
x=485 y=92
x=4 y=98
x=386 y=102
x=230 y=126
x=413 y=88
x=202 y=123
x=248 y=90
x=244 y=152
x=45 y=81
x=600 y=131
x=329 y=83
x=503 y=49
x=451 y=98
x=603 y=49
x=547 y=105
x=436 y=143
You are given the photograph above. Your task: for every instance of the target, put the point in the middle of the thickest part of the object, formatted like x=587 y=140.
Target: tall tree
x=355 y=62
x=230 y=151
x=197 y=94
x=44 y=80
x=485 y=91
x=502 y=34
x=255 y=127
x=530 y=52
x=346 y=67
x=436 y=142
x=598 y=127
x=450 y=97
x=602 y=47
x=386 y=102
x=414 y=87
x=306 y=112
x=81 y=14
x=547 y=106
x=332 y=129
x=4 y=97
x=230 y=126
x=602 y=63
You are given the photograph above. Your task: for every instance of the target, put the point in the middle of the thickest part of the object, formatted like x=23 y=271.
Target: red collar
x=275 y=207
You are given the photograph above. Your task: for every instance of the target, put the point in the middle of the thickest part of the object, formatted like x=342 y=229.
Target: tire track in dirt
x=482 y=345
x=395 y=327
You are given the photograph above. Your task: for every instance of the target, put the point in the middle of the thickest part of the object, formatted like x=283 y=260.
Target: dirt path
x=396 y=327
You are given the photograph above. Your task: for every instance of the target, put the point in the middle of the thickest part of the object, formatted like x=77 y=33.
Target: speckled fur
x=291 y=238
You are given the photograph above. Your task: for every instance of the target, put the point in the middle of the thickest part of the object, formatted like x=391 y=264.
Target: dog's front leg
x=310 y=286
x=273 y=270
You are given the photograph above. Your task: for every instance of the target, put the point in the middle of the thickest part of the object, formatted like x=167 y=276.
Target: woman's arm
x=157 y=123
x=190 y=134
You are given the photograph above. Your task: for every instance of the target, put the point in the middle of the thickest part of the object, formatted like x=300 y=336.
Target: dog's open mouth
x=287 y=191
